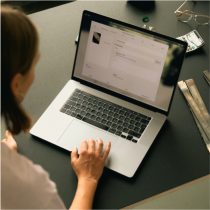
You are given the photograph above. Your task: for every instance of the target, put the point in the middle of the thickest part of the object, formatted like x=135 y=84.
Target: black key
x=85 y=98
x=104 y=121
x=82 y=112
x=116 y=115
x=95 y=102
x=83 y=107
x=66 y=106
x=98 y=114
x=114 y=120
x=132 y=116
x=134 y=140
x=78 y=116
x=105 y=111
x=115 y=109
x=106 y=106
x=68 y=112
x=118 y=133
x=123 y=136
x=104 y=116
x=132 y=122
x=74 y=99
x=138 y=118
x=119 y=128
x=127 y=119
x=125 y=130
x=79 y=101
x=121 y=112
x=127 y=114
x=93 y=117
x=73 y=114
x=63 y=110
x=130 y=127
x=111 y=130
x=119 y=122
x=138 y=124
x=111 y=108
x=109 y=118
x=100 y=108
x=125 y=124
x=114 y=126
x=78 y=111
x=98 y=119
x=144 y=121
x=143 y=127
x=73 y=109
x=122 y=117
x=109 y=123
x=100 y=103
x=93 y=111
x=88 y=115
x=129 y=137
x=133 y=133
x=95 y=123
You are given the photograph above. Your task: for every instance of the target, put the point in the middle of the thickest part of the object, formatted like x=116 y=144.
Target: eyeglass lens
x=186 y=16
x=201 y=19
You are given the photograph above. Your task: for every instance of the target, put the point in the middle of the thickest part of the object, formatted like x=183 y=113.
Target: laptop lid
x=129 y=62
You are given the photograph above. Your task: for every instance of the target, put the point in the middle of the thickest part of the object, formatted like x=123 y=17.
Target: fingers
x=107 y=150
x=99 y=147
x=93 y=147
x=83 y=147
x=74 y=155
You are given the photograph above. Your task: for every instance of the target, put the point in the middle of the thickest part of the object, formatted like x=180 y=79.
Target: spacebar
x=97 y=124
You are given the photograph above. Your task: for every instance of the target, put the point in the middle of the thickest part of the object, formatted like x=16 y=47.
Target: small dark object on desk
x=144 y=5
x=145 y=19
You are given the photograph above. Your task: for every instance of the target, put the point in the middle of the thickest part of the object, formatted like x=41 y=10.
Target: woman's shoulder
x=21 y=178
x=20 y=167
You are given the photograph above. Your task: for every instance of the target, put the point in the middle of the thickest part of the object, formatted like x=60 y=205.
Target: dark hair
x=19 y=45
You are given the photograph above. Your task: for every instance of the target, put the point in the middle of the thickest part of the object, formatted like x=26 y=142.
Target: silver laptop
x=120 y=90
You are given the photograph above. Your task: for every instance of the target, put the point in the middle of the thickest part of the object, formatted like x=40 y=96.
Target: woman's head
x=19 y=40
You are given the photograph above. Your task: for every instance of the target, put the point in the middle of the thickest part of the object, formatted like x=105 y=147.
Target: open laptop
x=120 y=90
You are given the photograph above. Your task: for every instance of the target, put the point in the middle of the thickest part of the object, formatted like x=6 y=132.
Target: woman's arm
x=88 y=167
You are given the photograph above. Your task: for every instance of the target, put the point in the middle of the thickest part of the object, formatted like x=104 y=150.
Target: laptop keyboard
x=106 y=115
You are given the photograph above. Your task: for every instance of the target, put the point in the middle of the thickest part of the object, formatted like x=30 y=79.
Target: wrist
x=87 y=182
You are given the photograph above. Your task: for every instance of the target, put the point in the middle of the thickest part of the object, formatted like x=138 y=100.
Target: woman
x=26 y=185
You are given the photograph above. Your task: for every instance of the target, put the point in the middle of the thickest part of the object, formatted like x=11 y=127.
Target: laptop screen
x=136 y=63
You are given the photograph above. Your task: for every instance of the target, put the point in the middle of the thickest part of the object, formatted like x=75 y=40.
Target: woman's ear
x=16 y=85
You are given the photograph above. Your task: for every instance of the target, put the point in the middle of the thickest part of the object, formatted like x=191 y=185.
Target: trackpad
x=78 y=131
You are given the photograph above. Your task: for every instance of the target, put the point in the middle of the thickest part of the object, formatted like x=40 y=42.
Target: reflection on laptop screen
x=128 y=61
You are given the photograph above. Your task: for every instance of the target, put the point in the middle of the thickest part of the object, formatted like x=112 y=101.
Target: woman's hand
x=9 y=141
x=89 y=164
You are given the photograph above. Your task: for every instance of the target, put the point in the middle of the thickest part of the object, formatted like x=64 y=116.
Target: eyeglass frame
x=192 y=15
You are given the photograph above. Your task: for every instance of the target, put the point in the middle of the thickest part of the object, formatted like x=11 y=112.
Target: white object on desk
x=193 y=39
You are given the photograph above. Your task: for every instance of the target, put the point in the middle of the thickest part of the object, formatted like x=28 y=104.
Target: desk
x=178 y=154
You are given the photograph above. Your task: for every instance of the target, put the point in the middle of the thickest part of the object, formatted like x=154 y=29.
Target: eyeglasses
x=187 y=15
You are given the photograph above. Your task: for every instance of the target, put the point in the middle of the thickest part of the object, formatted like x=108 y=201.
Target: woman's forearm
x=84 y=196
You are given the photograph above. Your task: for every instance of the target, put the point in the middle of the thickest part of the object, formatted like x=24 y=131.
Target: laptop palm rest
x=78 y=131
